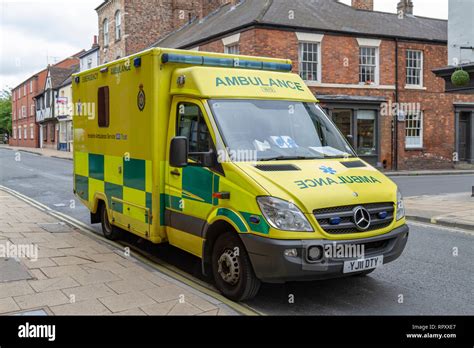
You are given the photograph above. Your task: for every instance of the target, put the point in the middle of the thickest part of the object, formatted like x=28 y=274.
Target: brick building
x=129 y=26
x=371 y=70
x=24 y=127
x=47 y=105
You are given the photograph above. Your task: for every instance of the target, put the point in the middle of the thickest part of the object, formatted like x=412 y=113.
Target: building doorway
x=464 y=137
x=362 y=126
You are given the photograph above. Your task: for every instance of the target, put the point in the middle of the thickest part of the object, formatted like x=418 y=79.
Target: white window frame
x=32 y=131
x=31 y=86
x=118 y=25
x=301 y=45
x=23 y=111
x=376 y=67
x=19 y=132
x=371 y=43
x=232 y=49
x=32 y=109
x=105 y=27
x=408 y=85
x=230 y=42
x=24 y=89
x=419 y=144
x=14 y=113
x=25 y=133
x=14 y=132
x=310 y=38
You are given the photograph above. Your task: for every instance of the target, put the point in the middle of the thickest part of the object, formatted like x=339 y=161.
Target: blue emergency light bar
x=224 y=62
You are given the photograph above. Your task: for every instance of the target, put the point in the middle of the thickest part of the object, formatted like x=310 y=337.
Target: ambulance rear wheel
x=232 y=269
x=110 y=231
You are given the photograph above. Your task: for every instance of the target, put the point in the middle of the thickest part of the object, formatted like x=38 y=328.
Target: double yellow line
x=139 y=255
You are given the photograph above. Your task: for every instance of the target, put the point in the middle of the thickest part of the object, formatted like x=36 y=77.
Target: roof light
x=180 y=58
x=276 y=66
x=248 y=64
x=224 y=62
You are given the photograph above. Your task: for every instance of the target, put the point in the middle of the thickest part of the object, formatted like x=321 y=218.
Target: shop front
x=358 y=118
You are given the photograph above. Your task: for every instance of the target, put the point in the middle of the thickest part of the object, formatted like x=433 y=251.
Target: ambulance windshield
x=265 y=130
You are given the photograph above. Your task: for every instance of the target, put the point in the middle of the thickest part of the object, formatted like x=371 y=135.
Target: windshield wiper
x=287 y=158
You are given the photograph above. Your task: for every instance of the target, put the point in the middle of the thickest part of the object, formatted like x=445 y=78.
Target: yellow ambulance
x=229 y=158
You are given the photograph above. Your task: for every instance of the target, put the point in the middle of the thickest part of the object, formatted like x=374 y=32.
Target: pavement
x=50 y=268
x=42 y=152
x=452 y=210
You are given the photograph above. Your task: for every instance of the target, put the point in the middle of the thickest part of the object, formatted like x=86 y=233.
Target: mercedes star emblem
x=361 y=218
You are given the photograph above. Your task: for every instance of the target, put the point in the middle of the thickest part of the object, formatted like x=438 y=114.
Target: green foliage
x=5 y=111
x=460 y=78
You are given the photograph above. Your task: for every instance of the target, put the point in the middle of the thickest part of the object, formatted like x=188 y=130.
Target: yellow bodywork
x=125 y=164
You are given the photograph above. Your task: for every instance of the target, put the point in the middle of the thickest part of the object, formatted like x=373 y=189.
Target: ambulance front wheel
x=232 y=269
x=110 y=231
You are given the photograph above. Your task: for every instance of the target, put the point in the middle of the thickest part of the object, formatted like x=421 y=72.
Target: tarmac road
x=427 y=280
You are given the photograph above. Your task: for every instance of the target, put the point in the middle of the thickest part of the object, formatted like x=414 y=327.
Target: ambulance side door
x=189 y=190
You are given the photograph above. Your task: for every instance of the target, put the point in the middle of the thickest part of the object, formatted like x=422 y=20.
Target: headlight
x=283 y=215
x=400 y=206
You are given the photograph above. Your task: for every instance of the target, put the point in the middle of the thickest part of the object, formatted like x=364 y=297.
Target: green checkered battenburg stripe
x=199 y=183
x=133 y=175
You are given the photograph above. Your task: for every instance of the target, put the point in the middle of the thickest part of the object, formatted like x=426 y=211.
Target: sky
x=34 y=33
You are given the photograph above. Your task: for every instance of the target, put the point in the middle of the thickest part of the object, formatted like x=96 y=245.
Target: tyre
x=110 y=231
x=233 y=273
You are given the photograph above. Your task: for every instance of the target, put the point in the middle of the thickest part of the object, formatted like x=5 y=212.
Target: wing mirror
x=179 y=154
x=179 y=150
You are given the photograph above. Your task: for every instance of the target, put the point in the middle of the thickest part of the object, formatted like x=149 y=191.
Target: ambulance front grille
x=345 y=215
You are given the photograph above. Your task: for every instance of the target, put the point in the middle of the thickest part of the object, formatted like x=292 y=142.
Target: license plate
x=363 y=264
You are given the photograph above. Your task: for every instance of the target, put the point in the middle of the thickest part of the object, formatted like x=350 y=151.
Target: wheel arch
x=211 y=233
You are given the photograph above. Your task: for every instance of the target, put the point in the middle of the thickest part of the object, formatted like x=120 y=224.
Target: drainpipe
x=395 y=124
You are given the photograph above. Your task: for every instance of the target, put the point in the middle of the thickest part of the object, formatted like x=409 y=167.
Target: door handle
x=175 y=172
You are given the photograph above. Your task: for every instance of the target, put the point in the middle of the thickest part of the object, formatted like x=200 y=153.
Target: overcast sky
x=34 y=33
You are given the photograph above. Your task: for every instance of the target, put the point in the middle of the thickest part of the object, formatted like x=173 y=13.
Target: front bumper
x=272 y=266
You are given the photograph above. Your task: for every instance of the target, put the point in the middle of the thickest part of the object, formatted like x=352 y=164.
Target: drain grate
x=12 y=269
x=36 y=312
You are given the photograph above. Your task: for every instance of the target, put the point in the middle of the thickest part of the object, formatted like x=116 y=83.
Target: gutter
x=395 y=120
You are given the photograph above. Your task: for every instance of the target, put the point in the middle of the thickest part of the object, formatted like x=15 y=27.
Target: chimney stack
x=405 y=7
x=95 y=44
x=367 y=5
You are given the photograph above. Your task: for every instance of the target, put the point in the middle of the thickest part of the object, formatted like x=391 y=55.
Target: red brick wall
x=146 y=21
x=340 y=65
x=19 y=121
x=39 y=80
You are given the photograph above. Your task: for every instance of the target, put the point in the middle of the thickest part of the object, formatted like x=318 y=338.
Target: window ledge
x=343 y=85
x=421 y=88
x=414 y=148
